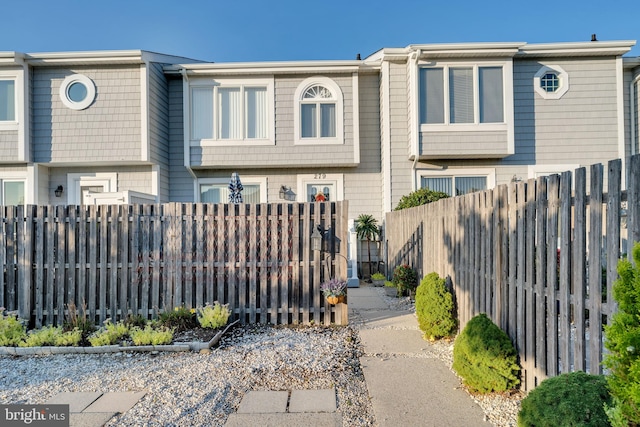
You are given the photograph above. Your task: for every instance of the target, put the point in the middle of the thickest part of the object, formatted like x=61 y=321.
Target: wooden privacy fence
x=141 y=259
x=539 y=257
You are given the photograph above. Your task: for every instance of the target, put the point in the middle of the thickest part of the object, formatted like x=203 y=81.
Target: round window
x=77 y=92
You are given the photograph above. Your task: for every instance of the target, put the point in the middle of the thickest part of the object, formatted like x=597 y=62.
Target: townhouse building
x=139 y=127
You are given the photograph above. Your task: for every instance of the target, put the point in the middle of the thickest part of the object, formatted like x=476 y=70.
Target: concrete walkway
x=94 y=409
x=408 y=387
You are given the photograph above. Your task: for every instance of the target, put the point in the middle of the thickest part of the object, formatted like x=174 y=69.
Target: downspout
x=415 y=116
x=634 y=119
x=185 y=103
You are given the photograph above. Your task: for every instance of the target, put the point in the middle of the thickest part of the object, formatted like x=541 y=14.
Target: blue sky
x=240 y=30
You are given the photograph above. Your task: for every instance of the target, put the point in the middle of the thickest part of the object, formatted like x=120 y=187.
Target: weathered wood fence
x=539 y=257
x=141 y=259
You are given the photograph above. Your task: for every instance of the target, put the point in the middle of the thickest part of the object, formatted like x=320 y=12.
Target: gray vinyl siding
x=108 y=130
x=401 y=181
x=452 y=144
x=8 y=145
x=284 y=151
x=181 y=188
x=159 y=125
x=43 y=185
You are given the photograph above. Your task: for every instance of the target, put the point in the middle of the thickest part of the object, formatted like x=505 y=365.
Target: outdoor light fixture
x=58 y=191
x=285 y=193
x=316 y=239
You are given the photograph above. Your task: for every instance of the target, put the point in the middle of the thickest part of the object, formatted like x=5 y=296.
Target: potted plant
x=378 y=279
x=334 y=290
x=391 y=289
x=405 y=278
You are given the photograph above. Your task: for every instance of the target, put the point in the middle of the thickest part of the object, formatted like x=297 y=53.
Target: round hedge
x=573 y=399
x=434 y=308
x=485 y=358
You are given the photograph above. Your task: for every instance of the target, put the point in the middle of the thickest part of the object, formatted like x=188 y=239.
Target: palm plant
x=367 y=228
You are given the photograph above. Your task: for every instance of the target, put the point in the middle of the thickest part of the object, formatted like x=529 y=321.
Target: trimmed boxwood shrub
x=434 y=308
x=485 y=358
x=573 y=399
x=420 y=197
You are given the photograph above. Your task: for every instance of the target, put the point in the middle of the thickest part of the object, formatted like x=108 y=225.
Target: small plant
x=419 y=197
x=434 y=308
x=135 y=321
x=378 y=276
x=213 y=316
x=333 y=287
x=109 y=334
x=389 y=284
x=572 y=399
x=12 y=331
x=150 y=335
x=42 y=337
x=77 y=319
x=623 y=343
x=485 y=358
x=180 y=319
x=405 y=278
x=70 y=338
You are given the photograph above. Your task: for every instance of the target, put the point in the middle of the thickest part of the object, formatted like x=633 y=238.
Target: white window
x=318 y=112
x=455 y=94
x=536 y=171
x=551 y=82
x=77 y=92
x=320 y=187
x=7 y=100
x=230 y=111
x=13 y=192
x=81 y=187
x=457 y=182
x=216 y=190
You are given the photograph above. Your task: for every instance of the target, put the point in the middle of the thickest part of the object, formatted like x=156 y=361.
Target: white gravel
x=191 y=389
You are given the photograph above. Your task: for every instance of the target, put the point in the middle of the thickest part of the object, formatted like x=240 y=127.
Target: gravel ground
x=191 y=389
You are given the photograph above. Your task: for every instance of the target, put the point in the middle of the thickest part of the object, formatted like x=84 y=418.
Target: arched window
x=319 y=112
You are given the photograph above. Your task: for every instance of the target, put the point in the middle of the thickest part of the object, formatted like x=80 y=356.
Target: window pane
x=202 y=113
x=308 y=120
x=437 y=184
x=431 y=95
x=219 y=193
x=7 y=100
x=13 y=193
x=251 y=193
x=328 y=119
x=321 y=192
x=461 y=95
x=229 y=113
x=491 y=99
x=256 y=106
x=469 y=184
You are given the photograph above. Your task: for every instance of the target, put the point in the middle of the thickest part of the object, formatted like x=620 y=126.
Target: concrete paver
x=116 y=401
x=392 y=341
x=263 y=402
x=77 y=401
x=313 y=401
x=285 y=420
x=389 y=319
x=90 y=419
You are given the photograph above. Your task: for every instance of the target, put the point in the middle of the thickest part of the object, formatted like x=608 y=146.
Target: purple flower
x=333 y=287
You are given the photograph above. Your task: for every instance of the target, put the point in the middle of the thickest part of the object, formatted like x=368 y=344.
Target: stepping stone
x=263 y=402
x=77 y=401
x=116 y=402
x=313 y=401
x=90 y=419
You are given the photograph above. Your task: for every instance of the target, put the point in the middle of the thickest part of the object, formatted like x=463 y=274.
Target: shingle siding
x=8 y=145
x=401 y=181
x=108 y=130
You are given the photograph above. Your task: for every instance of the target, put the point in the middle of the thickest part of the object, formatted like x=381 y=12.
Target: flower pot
x=377 y=282
x=391 y=291
x=333 y=299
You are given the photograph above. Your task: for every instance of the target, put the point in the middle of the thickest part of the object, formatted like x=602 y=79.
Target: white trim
x=356 y=118
x=144 y=113
x=535 y=171
x=86 y=82
x=186 y=123
x=490 y=173
x=214 y=84
x=109 y=182
x=386 y=136
x=17 y=176
x=339 y=102
x=509 y=115
x=155 y=181
x=336 y=179
x=620 y=114
x=244 y=179
x=18 y=81
x=31 y=185
x=562 y=75
x=414 y=114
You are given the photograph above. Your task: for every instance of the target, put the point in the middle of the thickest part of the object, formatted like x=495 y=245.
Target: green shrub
x=405 y=278
x=180 y=319
x=573 y=399
x=69 y=338
x=434 y=308
x=419 y=197
x=45 y=336
x=12 y=331
x=150 y=336
x=109 y=334
x=623 y=343
x=485 y=358
x=213 y=316
x=378 y=276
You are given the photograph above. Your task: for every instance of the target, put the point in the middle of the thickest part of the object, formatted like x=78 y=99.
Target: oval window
x=77 y=92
